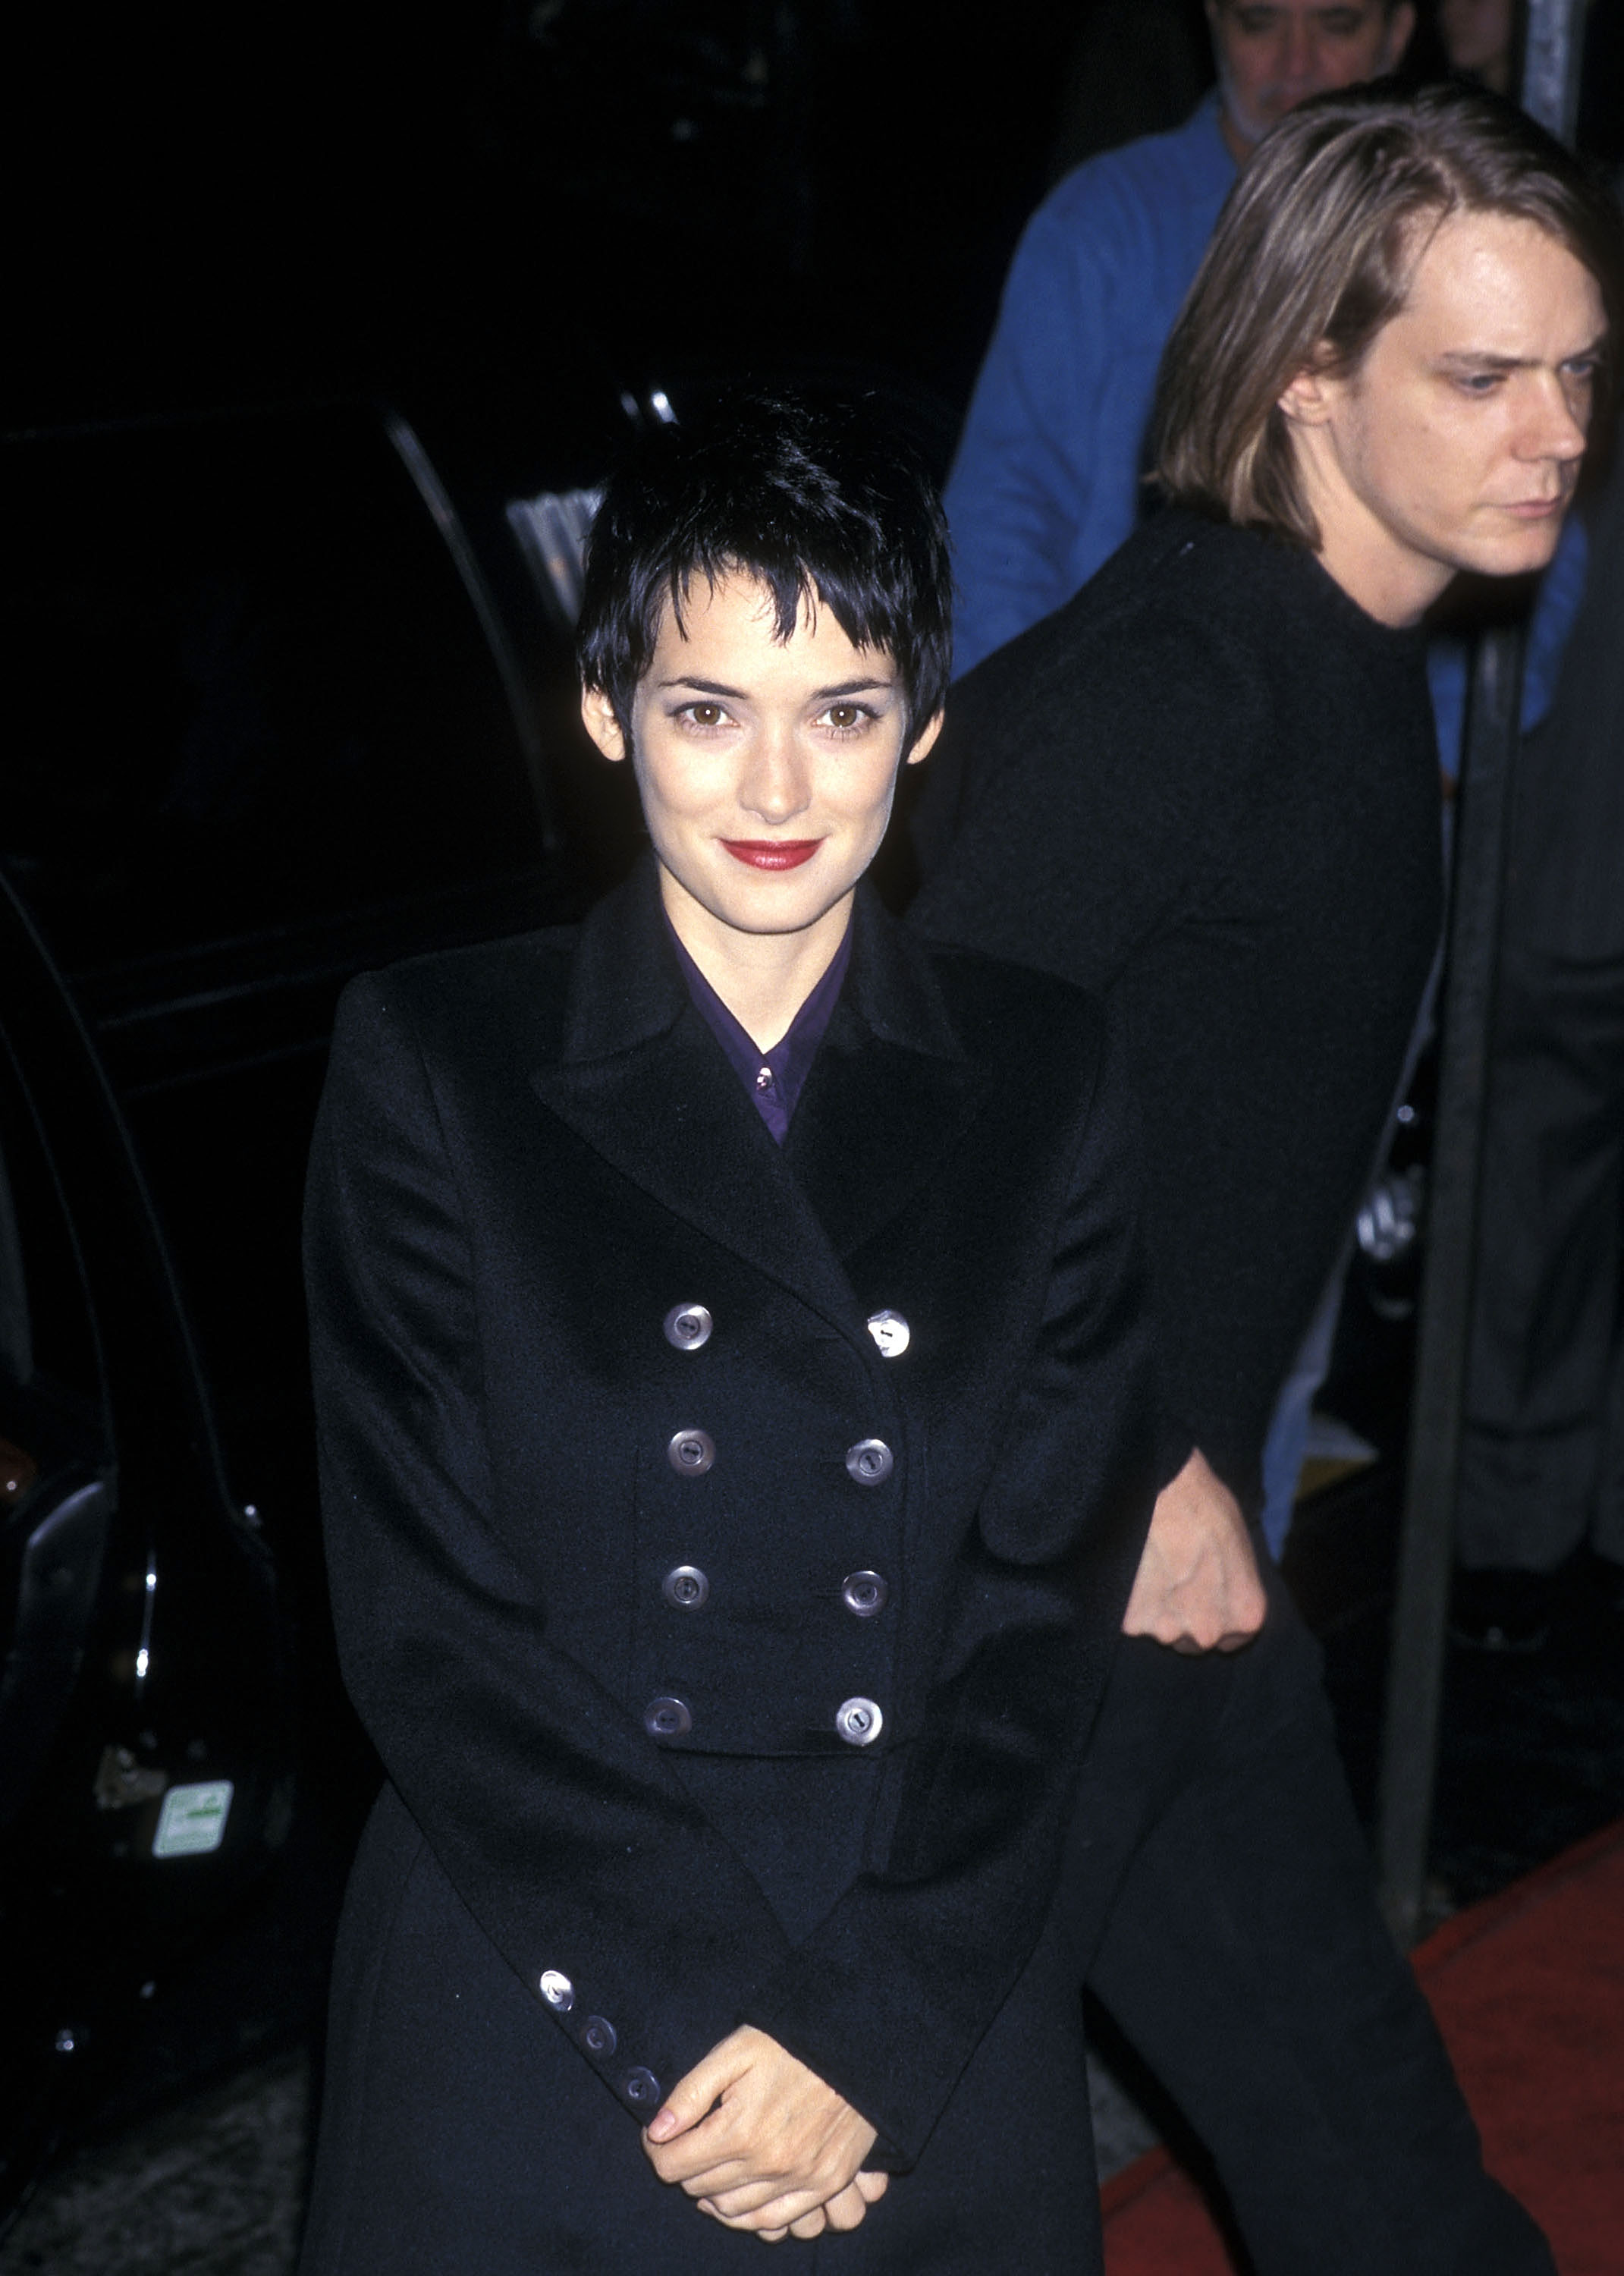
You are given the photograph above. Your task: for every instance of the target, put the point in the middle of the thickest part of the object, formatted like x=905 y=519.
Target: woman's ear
x=924 y=740
x=599 y=718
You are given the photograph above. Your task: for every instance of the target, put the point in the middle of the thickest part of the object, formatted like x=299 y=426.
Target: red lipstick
x=772 y=852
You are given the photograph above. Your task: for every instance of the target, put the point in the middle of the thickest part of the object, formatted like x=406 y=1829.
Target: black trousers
x=1217 y=1892
x=1224 y=1892
x=1542 y=1459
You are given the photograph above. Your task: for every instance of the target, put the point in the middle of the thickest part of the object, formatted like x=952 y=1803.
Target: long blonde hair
x=1313 y=254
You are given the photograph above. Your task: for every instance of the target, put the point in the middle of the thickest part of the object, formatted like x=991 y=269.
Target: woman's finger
x=753 y=2196
x=697 y=2091
x=847 y=2210
x=727 y=2176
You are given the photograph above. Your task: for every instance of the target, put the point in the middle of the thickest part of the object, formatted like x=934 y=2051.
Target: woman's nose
x=775 y=785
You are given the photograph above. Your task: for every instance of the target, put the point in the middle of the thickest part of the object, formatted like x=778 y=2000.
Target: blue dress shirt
x=1046 y=483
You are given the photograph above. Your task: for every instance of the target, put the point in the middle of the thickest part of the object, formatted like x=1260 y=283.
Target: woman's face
x=766 y=767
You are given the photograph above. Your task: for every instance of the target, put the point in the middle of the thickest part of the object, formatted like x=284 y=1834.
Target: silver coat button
x=641 y=2087
x=870 y=1461
x=691 y=1452
x=864 y=1594
x=688 y=1326
x=859 y=1722
x=667 y=1719
x=597 y=2036
x=557 y=1990
x=685 y=1588
x=891 y=1332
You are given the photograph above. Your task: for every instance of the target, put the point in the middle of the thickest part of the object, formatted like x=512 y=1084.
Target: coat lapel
x=641 y=1078
x=889 y=1091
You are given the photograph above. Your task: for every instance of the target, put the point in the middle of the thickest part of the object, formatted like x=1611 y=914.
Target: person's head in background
x=1477 y=37
x=1272 y=55
x=1391 y=352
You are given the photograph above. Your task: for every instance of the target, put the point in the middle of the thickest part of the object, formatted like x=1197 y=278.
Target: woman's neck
x=763 y=977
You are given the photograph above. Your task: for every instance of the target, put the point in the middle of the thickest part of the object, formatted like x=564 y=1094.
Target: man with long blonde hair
x=1207 y=787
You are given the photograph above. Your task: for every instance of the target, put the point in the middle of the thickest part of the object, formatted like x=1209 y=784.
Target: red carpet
x=1528 y=1991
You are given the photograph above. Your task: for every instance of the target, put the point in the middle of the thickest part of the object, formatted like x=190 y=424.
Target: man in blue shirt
x=1046 y=485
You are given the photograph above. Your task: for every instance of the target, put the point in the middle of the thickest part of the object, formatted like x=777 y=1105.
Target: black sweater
x=1208 y=787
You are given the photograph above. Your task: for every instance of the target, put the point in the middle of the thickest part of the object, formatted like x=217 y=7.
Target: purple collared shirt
x=774 y=1078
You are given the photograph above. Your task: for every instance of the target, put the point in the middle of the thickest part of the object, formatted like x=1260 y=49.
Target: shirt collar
x=774 y=1079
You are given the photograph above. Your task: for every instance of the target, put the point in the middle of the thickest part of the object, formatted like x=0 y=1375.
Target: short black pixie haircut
x=821 y=499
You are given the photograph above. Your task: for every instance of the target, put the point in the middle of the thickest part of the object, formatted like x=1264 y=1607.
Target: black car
x=273 y=723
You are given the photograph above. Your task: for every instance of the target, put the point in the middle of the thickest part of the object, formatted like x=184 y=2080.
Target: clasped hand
x=763 y=2144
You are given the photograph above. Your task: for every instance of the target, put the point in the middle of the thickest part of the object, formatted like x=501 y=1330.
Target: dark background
x=452 y=202
x=218 y=205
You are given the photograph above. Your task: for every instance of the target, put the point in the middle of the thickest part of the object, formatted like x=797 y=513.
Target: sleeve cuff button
x=597 y=2036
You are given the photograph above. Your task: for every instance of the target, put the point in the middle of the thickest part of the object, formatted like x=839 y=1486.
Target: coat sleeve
x=889 y=1996
x=564 y=1833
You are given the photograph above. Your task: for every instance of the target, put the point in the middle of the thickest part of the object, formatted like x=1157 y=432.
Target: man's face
x=1457 y=443
x=1272 y=55
x=766 y=767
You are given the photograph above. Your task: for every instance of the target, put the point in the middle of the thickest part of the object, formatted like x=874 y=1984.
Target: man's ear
x=598 y=716
x=1308 y=400
x=924 y=740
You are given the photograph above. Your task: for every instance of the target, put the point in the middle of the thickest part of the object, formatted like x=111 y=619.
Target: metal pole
x=1415 y=1667
x=1553 y=44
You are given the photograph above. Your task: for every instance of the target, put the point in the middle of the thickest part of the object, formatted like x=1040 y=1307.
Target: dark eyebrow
x=737 y=695
x=1481 y=360
x=1484 y=359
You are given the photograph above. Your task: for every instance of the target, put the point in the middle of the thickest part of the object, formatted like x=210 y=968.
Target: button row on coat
x=693 y=1452
x=597 y=2034
x=858 y=1721
x=686 y=1327
x=685 y=1590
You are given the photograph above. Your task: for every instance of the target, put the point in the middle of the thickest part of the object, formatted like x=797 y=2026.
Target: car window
x=249 y=688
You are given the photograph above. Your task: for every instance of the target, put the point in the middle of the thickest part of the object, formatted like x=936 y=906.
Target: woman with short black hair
x=735 y=1443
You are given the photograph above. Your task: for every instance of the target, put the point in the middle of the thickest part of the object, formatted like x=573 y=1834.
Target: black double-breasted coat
x=730 y=1650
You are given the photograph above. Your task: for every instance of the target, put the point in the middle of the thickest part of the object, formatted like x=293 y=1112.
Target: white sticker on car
x=193 y=1819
